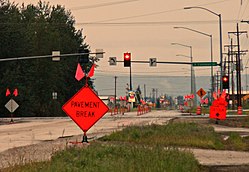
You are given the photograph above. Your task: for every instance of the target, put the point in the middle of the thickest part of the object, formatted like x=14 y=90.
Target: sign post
x=85 y=108
x=11 y=105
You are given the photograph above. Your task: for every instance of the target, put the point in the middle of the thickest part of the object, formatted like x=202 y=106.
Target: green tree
x=34 y=30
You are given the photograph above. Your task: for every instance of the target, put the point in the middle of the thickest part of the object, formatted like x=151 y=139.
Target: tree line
x=33 y=30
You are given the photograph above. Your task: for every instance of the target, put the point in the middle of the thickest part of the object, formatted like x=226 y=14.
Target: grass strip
x=122 y=158
x=173 y=134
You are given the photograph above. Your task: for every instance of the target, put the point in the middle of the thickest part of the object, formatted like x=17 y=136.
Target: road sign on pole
x=153 y=62
x=113 y=61
x=199 y=64
x=85 y=108
x=201 y=92
x=56 y=55
x=99 y=53
x=11 y=105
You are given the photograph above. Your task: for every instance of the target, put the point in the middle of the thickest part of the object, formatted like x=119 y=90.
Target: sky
x=146 y=29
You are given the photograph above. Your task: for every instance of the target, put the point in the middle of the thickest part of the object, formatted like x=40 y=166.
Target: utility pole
x=233 y=97
x=231 y=53
x=239 y=70
x=238 y=65
x=231 y=71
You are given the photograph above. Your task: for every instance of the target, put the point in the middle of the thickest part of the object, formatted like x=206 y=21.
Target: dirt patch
x=238 y=121
x=225 y=168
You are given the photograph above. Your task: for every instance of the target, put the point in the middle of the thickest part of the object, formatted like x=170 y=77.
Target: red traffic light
x=127 y=56
x=225 y=82
x=225 y=78
x=127 y=59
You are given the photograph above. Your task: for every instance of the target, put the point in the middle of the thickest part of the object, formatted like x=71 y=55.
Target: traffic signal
x=225 y=82
x=127 y=59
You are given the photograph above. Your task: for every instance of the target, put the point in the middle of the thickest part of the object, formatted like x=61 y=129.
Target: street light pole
x=191 y=71
x=220 y=31
x=211 y=55
x=191 y=60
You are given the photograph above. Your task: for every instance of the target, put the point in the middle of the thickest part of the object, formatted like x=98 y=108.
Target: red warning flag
x=79 y=73
x=7 y=92
x=15 y=93
x=91 y=72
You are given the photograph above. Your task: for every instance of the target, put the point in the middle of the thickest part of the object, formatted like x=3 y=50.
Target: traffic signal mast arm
x=166 y=62
x=45 y=56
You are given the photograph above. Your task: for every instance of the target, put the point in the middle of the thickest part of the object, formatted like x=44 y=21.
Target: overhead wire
x=238 y=16
x=153 y=13
x=247 y=2
x=102 y=5
x=244 y=42
x=152 y=23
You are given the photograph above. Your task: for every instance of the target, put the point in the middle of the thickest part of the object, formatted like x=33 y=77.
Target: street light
x=182 y=55
x=211 y=47
x=220 y=29
x=191 y=60
x=191 y=71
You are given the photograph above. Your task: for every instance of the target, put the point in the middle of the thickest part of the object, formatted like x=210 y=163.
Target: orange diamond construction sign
x=201 y=92
x=85 y=108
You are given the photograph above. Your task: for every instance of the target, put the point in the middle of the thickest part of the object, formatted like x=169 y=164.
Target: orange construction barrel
x=198 y=110
x=239 y=110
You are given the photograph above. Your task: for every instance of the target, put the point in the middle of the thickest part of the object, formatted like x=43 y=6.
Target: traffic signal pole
x=127 y=63
x=130 y=79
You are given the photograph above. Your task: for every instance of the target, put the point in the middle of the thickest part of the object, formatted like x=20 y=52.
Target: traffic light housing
x=225 y=82
x=127 y=59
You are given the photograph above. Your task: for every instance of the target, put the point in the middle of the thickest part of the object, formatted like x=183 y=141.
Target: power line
x=244 y=9
x=141 y=15
x=156 y=13
x=124 y=24
x=154 y=23
x=102 y=5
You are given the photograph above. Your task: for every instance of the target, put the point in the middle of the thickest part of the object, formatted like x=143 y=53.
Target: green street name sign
x=205 y=64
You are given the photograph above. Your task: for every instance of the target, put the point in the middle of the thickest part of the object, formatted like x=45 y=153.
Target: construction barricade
x=142 y=109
